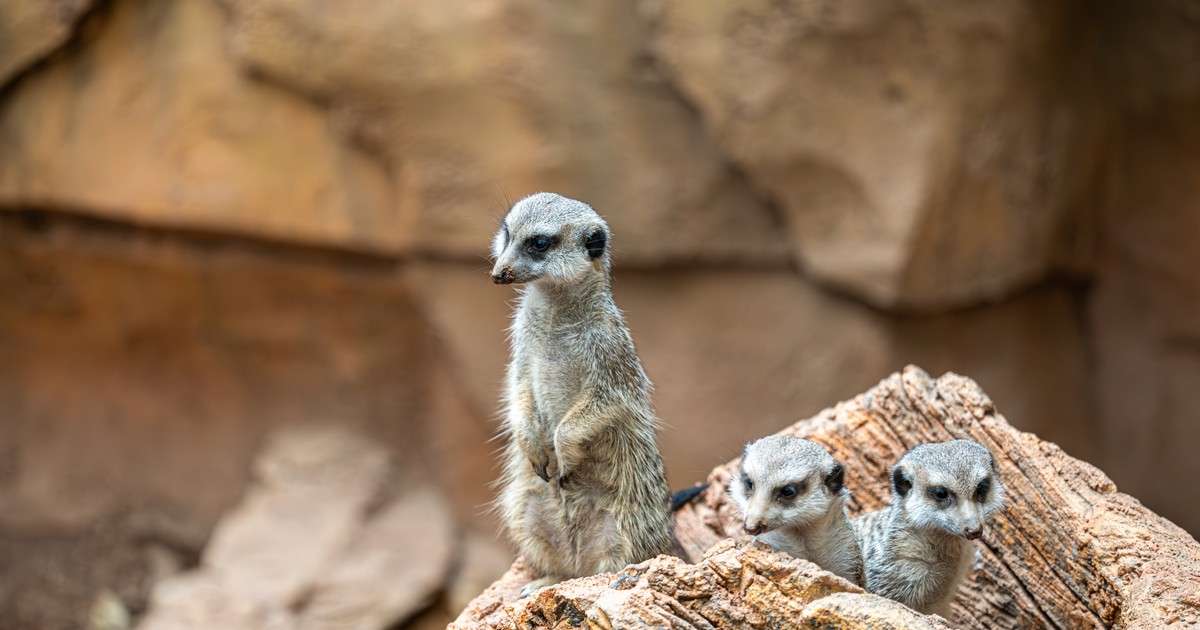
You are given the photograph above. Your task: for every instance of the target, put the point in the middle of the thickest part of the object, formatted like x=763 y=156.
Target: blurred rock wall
x=221 y=217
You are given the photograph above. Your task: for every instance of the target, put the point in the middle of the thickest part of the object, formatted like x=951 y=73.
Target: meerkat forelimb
x=583 y=488
x=792 y=496
x=917 y=550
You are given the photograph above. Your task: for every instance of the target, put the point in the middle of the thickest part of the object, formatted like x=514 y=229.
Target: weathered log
x=1069 y=551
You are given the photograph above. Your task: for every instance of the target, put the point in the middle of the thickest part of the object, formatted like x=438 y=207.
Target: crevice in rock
x=84 y=28
x=45 y=222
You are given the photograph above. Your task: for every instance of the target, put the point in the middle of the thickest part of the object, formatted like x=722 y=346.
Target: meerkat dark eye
x=749 y=484
x=982 y=489
x=939 y=493
x=787 y=492
x=539 y=243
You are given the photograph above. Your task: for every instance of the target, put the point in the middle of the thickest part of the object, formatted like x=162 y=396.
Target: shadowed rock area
x=1068 y=551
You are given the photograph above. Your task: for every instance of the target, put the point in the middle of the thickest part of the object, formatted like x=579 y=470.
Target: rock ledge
x=1069 y=551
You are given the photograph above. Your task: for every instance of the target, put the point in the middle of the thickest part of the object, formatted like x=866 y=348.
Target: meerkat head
x=786 y=481
x=951 y=486
x=547 y=237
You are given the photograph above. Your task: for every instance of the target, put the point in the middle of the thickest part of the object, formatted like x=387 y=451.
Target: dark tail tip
x=685 y=496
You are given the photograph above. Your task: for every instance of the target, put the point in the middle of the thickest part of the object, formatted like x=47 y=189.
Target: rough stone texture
x=306 y=550
x=151 y=121
x=1030 y=352
x=482 y=560
x=925 y=155
x=736 y=585
x=1069 y=551
x=382 y=127
x=477 y=100
x=31 y=29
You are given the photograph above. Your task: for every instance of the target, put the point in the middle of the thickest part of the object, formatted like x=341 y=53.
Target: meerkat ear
x=836 y=478
x=900 y=483
x=594 y=243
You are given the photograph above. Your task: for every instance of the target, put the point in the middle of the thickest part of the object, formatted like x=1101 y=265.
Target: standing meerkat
x=791 y=493
x=584 y=490
x=918 y=549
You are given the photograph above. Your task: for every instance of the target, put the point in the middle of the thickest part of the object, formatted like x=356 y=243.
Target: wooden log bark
x=1069 y=550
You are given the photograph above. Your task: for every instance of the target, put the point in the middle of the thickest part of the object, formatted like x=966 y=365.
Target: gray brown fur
x=584 y=489
x=918 y=550
x=792 y=497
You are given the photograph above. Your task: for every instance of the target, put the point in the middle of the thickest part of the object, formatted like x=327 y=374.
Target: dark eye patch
x=793 y=490
x=940 y=494
x=537 y=246
x=981 y=491
x=749 y=484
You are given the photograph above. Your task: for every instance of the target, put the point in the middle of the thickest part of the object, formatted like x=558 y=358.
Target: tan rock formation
x=735 y=585
x=31 y=29
x=151 y=121
x=305 y=550
x=925 y=155
x=1069 y=551
x=143 y=369
x=477 y=100
x=314 y=181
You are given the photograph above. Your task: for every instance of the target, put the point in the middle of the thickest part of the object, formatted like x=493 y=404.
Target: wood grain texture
x=1069 y=550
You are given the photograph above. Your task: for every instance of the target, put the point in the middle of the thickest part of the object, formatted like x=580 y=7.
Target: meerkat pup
x=583 y=487
x=917 y=550
x=791 y=493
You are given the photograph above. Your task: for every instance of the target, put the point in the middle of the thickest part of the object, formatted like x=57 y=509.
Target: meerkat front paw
x=565 y=470
x=543 y=466
x=538 y=584
x=542 y=462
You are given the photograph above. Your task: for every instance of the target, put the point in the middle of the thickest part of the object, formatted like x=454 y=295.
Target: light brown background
x=218 y=217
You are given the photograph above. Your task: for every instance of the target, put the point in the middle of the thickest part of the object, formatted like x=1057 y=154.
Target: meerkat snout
x=951 y=487
x=550 y=239
x=785 y=481
x=791 y=493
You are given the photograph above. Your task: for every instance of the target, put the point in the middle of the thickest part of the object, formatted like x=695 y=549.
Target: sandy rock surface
x=735 y=585
x=1069 y=550
x=31 y=29
x=312 y=547
x=875 y=124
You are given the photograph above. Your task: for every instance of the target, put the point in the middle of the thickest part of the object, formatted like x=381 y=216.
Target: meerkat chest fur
x=560 y=333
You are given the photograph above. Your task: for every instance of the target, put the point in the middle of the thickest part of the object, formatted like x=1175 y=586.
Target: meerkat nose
x=504 y=277
x=972 y=534
x=753 y=531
